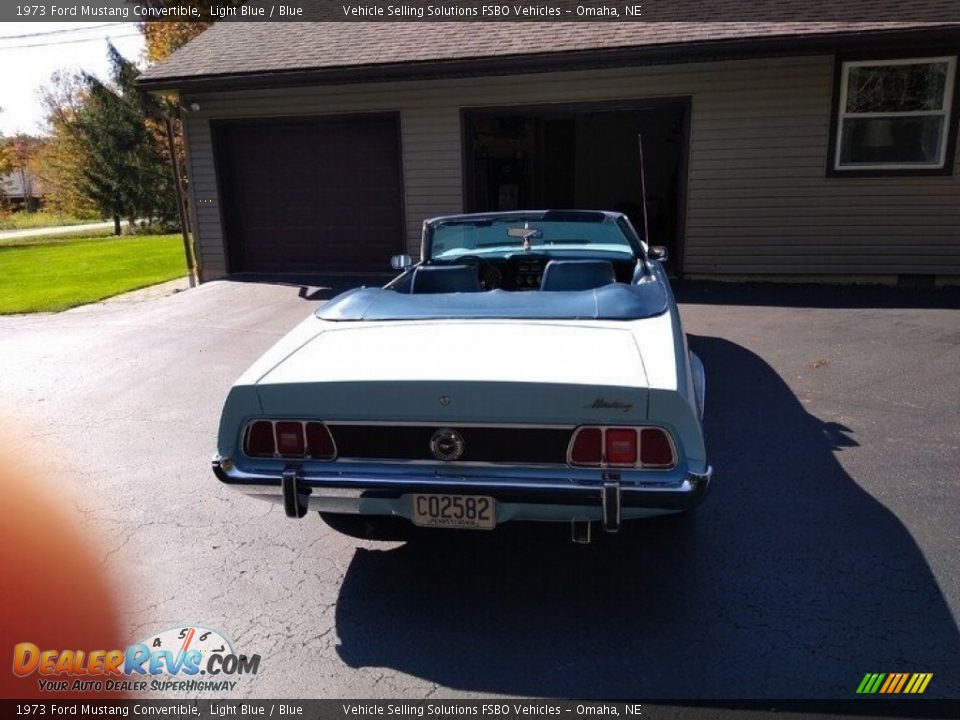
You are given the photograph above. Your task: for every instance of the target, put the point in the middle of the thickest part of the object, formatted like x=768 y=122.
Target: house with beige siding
x=822 y=150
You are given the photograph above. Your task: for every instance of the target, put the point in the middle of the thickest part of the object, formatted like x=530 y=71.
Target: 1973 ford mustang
x=532 y=366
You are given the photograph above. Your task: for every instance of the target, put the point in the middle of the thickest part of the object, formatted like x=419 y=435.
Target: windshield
x=502 y=236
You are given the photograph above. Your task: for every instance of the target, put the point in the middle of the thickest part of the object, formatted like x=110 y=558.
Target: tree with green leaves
x=124 y=172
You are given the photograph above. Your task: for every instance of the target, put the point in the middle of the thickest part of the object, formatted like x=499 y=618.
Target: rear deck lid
x=467 y=351
x=496 y=371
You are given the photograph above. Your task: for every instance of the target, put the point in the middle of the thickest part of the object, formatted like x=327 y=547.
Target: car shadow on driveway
x=824 y=295
x=788 y=582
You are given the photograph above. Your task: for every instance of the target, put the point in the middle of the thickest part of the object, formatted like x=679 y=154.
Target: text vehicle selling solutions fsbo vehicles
x=531 y=366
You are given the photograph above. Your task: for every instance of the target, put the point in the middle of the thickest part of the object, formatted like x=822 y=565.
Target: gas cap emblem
x=447 y=445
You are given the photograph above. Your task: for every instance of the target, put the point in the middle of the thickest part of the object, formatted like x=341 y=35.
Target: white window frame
x=945 y=113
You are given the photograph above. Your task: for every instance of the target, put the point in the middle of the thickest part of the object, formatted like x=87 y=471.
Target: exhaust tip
x=580 y=531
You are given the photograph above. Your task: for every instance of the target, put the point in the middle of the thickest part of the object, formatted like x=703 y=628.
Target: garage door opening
x=585 y=157
x=311 y=196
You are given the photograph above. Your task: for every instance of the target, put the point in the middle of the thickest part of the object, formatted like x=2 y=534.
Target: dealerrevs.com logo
x=183 y=659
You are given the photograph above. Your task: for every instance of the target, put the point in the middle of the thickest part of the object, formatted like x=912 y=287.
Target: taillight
x=621 y=445
x=625 y=447
x=656 y=451
x=587 y=447
x=319 y=442
x=260 y=439
x=289 y=439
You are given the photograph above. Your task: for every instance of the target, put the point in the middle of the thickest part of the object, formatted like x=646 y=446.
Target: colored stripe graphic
x=894 y=683
x=870 y=683
x=891 y=678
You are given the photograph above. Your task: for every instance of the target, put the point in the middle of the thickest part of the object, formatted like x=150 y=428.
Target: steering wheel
x=488 y=273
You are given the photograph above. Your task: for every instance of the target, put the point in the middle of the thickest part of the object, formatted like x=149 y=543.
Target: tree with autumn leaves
x=162 y=38
x=6 y=165
x=103 y=151
x=63 y=154
x=6 y=159
x=108 y=149
x=17 y=159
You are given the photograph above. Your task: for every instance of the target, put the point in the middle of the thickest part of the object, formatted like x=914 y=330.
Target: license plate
x=475 y=512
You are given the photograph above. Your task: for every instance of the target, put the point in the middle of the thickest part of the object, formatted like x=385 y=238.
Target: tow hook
x=295 y=496
x=580 y=528
x=610 y=500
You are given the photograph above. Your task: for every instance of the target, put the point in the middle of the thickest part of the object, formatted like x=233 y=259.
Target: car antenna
x=643 y=191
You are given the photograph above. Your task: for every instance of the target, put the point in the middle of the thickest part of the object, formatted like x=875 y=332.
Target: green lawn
x=28 y=220
x=61 y=274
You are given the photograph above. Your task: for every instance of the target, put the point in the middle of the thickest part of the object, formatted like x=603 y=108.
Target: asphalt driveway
x=828 y=549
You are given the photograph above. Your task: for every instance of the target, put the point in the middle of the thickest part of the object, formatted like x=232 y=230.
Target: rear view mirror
x=658 y=253
x=526 y=232
x=401 y=262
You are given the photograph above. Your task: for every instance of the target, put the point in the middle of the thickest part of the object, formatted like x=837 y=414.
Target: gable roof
x=244 y=54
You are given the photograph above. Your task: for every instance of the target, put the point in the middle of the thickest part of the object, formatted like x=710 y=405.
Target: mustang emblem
x=601 y=404
x=446 y=444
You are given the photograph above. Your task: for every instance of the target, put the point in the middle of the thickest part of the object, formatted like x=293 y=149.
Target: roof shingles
x=238 y=48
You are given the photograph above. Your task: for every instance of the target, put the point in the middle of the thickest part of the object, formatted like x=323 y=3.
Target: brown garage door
x=311 y=196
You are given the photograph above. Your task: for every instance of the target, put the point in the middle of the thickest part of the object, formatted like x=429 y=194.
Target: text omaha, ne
x=492 y=10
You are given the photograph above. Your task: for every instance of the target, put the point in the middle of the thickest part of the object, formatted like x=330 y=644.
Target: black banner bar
x=490 y=709
x=779 y=11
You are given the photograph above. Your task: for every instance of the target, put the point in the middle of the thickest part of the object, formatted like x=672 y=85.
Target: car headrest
x=577 y=275
x=445 y=279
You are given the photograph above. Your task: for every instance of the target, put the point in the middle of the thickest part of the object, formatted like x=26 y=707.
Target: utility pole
x=181 y=203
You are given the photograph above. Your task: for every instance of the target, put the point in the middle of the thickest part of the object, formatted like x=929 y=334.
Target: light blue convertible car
x=532 y=366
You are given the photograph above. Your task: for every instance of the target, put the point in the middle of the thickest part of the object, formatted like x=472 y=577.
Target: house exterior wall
x=758 y=201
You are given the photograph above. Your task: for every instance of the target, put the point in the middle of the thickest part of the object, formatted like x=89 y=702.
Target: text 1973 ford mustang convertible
x=532 y=366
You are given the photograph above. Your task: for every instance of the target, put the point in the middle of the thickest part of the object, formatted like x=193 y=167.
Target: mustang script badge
x=603 y=404
x=446 y=444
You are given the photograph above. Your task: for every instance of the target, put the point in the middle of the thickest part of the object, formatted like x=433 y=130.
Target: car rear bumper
x=611 y=495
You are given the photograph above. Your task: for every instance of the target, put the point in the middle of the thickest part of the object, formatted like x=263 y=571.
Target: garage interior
x=308 y=195
x=582 y=156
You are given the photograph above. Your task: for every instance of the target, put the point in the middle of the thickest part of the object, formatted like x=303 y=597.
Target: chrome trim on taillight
x=276 y=443
x=603 y=447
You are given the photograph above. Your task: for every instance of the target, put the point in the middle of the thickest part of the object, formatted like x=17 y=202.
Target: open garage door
x=311 y=196
x=584 y=156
